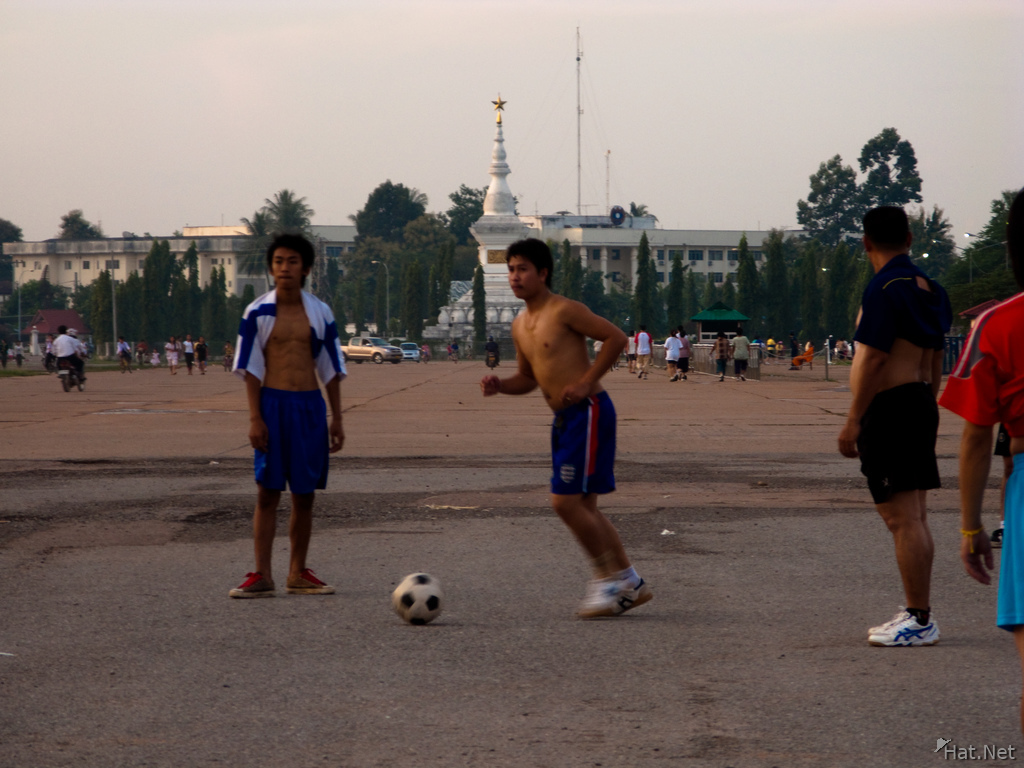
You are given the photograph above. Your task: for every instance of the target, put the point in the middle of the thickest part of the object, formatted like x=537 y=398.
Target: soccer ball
x=418 y=598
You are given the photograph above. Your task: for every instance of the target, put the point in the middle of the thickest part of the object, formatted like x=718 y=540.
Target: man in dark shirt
x=894 y=419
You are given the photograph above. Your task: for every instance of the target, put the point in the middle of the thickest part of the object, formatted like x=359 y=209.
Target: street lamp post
x=387 y=287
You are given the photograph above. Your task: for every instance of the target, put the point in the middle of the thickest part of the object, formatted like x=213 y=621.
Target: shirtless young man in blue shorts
x=987 y=387
x=894 y=420
x=550 y=337
x=288 y=338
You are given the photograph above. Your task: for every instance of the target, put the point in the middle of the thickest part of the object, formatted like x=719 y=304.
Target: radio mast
x=579 y=113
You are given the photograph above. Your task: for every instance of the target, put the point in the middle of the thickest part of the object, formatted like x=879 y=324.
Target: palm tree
x=638 y=210
x=260 y=227
x=289 y=213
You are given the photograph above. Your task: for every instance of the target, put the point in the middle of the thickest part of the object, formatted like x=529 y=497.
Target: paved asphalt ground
x=125 y=518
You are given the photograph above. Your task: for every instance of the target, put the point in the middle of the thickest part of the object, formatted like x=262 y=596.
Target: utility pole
x=579 y=113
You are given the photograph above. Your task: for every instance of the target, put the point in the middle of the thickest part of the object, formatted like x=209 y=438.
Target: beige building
x=70 y=263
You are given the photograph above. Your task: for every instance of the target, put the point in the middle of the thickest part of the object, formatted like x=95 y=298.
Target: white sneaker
x=903 y=630
x=610 y=597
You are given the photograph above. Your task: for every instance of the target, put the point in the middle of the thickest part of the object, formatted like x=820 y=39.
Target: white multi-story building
x=613 y=249
x=70 y=263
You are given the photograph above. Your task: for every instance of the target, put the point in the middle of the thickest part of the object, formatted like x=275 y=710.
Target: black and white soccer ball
x=418 y=598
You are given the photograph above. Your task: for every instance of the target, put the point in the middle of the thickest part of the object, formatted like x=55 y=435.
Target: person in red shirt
x=985 y=388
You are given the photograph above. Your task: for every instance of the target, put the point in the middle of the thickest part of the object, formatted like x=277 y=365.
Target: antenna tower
x=579 y=113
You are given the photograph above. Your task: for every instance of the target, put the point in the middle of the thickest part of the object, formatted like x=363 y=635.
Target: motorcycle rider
x=491 y=347
x=67 y=347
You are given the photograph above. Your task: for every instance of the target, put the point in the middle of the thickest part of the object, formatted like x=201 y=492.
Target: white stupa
x=494 y=231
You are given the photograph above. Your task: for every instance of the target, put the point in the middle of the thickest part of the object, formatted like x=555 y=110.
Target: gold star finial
x=499 y=106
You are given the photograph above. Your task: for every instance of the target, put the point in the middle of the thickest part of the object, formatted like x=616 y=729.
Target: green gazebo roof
x=718 y=311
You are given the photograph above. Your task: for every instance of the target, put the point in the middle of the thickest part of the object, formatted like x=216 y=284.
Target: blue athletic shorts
x=1010 y=611
x=583 y=447
x=298 y=446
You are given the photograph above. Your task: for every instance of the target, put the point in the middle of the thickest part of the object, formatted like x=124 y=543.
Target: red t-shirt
x=987 y=385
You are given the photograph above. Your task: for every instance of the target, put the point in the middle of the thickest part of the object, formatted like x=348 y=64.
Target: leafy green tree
x=467 y=207
x=446 y=267
x=932 y=248
x=570 y=283
x=594 y=296
x=102 y=309
x=80 y=300
x=433 y=295
x=465 y=259
x=381 y=311
x=479 y=307
x=40 y=294
x=776 y=285
x=214 y=321
x=645 y=293
x=412 y=301
x=833 y=207
x=340 y=317
x=129 y=307
x=425 y=237
x=748 y=285
x=637 y=210
x=193 y=299
x=891 y=167
x=691 y=296
x=838 y=276
x=73 y=226
x=711 y=294
x=983 y=272
x=359 y=306
x=728 y=296
x=387 y=210
x=157 y=279
x=811 y=299
x=674 y=292
x=9 y=232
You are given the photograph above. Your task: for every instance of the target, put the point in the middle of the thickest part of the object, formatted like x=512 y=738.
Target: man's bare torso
x=288 y=354
x=556 y=354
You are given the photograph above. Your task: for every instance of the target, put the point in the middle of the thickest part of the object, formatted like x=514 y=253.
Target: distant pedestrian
x=631 y=352
x=740 y=353
x=3 y=352
x=190 y=352
x=201 y=354
x=720 y=352
x=683 y=363
x=672 y=346
x=643 y=352
x=171 y=351
x=19 y=353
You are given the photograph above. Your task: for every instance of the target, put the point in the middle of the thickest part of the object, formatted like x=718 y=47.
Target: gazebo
x=715 y=318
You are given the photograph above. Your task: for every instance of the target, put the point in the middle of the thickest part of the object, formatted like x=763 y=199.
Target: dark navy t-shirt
x=895 y=307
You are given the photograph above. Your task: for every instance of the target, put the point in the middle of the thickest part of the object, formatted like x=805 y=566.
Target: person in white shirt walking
x=643 y=352
x=672 y=347
x=740 y=353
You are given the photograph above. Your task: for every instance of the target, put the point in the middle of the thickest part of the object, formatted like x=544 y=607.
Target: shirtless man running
x=286 y=340
x=894 y=419
x=550 y=337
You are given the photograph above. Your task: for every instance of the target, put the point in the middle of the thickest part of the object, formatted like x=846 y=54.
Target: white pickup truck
x=360 y=348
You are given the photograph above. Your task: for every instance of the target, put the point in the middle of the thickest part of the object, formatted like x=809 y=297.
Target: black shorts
x=683 y=364
x=740 y=366
x=1002 y=442
x=897 y=441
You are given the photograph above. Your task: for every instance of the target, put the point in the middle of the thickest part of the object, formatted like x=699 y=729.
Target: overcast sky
x=151 y=116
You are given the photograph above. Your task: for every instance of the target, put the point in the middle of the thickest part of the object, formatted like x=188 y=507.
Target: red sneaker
x=253 y=586
x=308 y=584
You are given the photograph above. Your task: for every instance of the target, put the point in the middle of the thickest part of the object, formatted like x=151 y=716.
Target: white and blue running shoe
x=610 y=597
x=903 y=630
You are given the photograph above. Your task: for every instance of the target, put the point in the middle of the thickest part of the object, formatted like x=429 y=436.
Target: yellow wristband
x=971 y=533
